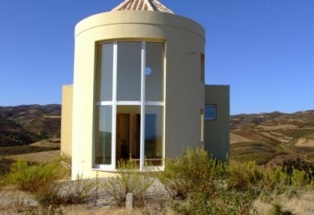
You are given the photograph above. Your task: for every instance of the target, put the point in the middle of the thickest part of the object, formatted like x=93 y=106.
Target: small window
x=210 y=112
x=202 y=67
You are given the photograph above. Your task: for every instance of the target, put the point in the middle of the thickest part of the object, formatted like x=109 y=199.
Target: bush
x=34 y=178
x=199 y=185
x=69 y=193
x=244 y=175
x=193 y=171
x=127 y=180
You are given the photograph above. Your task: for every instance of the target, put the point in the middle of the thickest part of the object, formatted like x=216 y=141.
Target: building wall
x=184 y=90
x=216 y=133
x=66 y=120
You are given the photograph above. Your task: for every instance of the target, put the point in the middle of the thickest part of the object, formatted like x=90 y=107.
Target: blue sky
x=263 y=49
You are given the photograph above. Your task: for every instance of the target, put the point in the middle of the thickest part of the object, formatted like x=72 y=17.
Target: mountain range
x=272 y=138
x=266 y=138
x=26 y=124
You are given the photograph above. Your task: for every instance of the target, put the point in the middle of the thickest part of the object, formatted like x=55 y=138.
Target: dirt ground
x=16 y=202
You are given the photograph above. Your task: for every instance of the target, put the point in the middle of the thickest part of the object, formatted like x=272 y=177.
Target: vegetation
x=272 y=138
x=271 y=163
x=34 y=178
x=128 y=180
x=26 y=124
x=42 y=180
x=195 y=183
x=199 y=185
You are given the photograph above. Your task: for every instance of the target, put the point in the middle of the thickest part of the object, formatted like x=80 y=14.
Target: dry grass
x=36 y=156
x=83 y=210
x=45 y=150
x=18 y=202
x=52 y=117
x=13 y=201
x=302 y=204
x=235 y=138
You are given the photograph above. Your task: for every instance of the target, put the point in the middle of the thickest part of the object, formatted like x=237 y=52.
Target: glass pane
x=153 y=135
x=210 y=112
x=103 y=135
x=129 y=71
x=106 y=66
x=154 y=71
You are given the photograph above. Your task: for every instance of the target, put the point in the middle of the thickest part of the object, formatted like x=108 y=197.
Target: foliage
x=41 y=179
x=127 y=180
x=34 y=178
x=200 y=185
x=277 y=210
x=244 y=175
x=301 y=169
x=75 y=192
x=192 y=171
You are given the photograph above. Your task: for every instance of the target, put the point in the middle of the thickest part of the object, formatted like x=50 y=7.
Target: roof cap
x=144 y=5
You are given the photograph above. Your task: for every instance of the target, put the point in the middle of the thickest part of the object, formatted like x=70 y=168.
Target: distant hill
x=272 y=138
x=267 y=138
x=26 y=124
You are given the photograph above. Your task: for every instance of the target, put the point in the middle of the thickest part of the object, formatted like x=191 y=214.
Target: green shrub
x=199 y=185
x=34 y=177
x=244 y=175
x=192 y=171
x=127 y=180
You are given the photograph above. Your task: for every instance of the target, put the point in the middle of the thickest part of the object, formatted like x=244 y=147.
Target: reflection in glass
x=129 y=71
x=153 y=135
x=148 y=70
x=210 y=112
x=103 y=135
x=106 y=67
x=154 y=81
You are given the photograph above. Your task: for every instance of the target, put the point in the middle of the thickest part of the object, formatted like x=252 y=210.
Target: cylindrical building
x=138 y=88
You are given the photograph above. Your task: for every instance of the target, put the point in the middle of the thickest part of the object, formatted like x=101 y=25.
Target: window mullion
x=114 y=104
x=142 y=142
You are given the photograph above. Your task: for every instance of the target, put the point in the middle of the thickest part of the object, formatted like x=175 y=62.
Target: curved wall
x=184 y=89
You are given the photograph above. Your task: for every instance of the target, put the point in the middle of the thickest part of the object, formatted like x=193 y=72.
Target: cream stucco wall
x=184 y=89
x=217 y=140
x=66 y=120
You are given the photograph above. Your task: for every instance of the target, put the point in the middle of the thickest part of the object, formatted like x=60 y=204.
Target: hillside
x=267 y=138
x=26 y=124
x=272 y=138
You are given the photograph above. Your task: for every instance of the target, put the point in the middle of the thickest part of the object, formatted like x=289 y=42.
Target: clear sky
x=263 y=49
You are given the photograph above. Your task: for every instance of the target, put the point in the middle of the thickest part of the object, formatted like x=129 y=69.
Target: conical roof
x=146 y=5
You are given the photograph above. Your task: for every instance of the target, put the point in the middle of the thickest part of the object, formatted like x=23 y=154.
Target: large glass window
x=129 y=104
